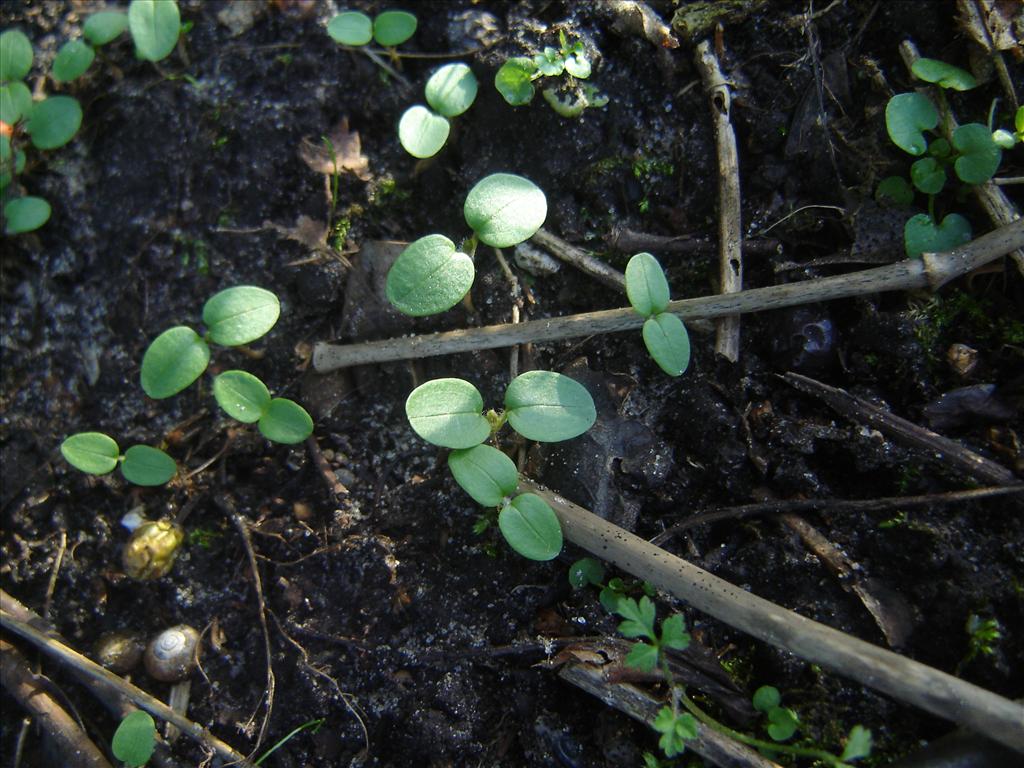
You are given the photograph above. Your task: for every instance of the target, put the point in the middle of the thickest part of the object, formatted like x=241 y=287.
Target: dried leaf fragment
x=348 y=153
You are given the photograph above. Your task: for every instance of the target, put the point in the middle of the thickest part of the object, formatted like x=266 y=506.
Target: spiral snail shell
x=172 y=654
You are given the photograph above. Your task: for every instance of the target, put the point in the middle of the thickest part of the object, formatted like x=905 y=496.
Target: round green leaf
x=451 y=90
x=155 y=26
x=514 y=81
x=286 y=422
x=422 y=132
x=351 y=28
x=783 y=723
x=241 y=395
x=15 y=55
x=766 y=698
x=646 y=286
x=928 y=176
x=144 y=465
x=91 y=452
x=920 y=235
x=393 y=28
x=906 y=116
x=74 y=57
x=586 y=571
x=429 y=276
x=531 y=528
x=578 y=65
x=504 y=209
x=894 y=190
x=135 y=739
x=944 y=75
x=25 y=214
x=485 y=473
x=175 y=359
x=102 y=27
x=939 y=148
x=241 y=314
x=15 y=102
x=448 y=413
x=668 y=343
x=53 y=122
x=979 y=154
x=548 y=407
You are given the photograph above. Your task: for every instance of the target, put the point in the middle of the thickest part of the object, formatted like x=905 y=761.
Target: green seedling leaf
x=894 y=190
x=531 y=528
x=642 y=656
x=646 y=286
x=920 y=235
x=155 y=26
x=514 y=81
x=351 y=28
x=422 y=132
x=451 y=90
x=485 y=473
x=135 y=739
x=286 y=422
x=25 y=214
x=566 y=107
x=548 y=407
x=943 y=75
x=241 y=395
x=668 y=343
x=1004 y=139
x=5 y=165
x=577 y=64
x=73 y=59
x=504 y=209
x=675 y=729
x=240 y=315
x=549 y=62
x=15 y=55
x=858 y=744
x=53 y=122
x=782 y=723
x=175 y=359
x=639 y=617
x=586 y=571
x=906 y=116
x=15 y=102
x=939 y=148
x=144 y=465
x=928 y=176
x=91 y=452
x=979 y=154
x=766 y=698
x=393 y=28
x=674 y=634
x=448 y=413
x=429 y=276
x=101 y=28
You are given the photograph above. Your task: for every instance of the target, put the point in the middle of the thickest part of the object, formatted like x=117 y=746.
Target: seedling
x=982 y=634
x=388 y=29
x=540 y=405
x=450 y=91
x=135 y=739
x=97 y=454
x=782 y=721
x=664 y=334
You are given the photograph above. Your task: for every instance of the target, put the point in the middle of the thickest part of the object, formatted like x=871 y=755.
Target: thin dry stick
x=932 y=271
x=730 y=254
x=900 y=677
x=580 y=259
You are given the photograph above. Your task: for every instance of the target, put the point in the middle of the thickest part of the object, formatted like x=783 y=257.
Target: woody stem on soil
x=932 y=271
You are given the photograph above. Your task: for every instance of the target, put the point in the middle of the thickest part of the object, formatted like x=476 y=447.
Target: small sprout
x=242 y=396
x=646 y=286
x=155 y=26
x=639 y=622
x=906 y=116
x=548 y=407
x=550 y=62
x=504 y=209
x=675 y=729
x=485 y=473
x=422 y=132
x=858 y=744
x=240 y=315
x=531 y=528
x=175 y=359
x=979 y=155
x=15 y=103
x=664 y=334
x=73 y=59
x=135 y=739
x=782 y=722
x=53 y=122
x=921 y=235
x=25 y=214
x=983 y=634
x=928 y=176
x=451 y=90
x=514 y=81
x=15 y=55
x=101 y=28
x=429 y=276
x=392 y=28
x=943 y=75
x=351 y=28
x=586 y=571
x=448 y=413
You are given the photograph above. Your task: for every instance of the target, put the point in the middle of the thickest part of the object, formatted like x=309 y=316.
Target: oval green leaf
x=531 y=528
x=53 y=122
x=586 y=571
x=15 y=102
x=241 y=395
x=485 y=473
x=429 y=276
x=448 y=413
x=504 y=209
x=25 y=214
x=451 y=90
x=944 y=75
x=668 y=343
x=548 y=407
x=135 y=739
x=175 y=359
x=894 y=190
x=393 y=28
x=514 y=81
x=74 y=57
x=144 y=465
x=155 y=26
x=5 y=161
x=422 y=132
x=351 y=28
x=102 y=27
x=920 y=235
x=286 y=422
x=906 y=116
x=646 y=286
x=241 y=314
x=979 y=157
x=91 y=452
x=928 y=176
x=15 y=55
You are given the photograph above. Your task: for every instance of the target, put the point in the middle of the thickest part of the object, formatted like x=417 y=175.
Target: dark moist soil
x=385 y=593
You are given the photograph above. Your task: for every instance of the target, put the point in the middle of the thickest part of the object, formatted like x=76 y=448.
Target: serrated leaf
x=548 y=407
x=928 y=176
x=451 y=90
x=646 y=286
x=642 y=656
x=674 y=634
x=422 y=132
x=668 y=343
x=102 y=27
x=485 y=473
x=73 y=59
x=241 y=395
x=906 y=116
x=504 y=209
x=144 y=465
x=175 y=359
x=155 y=26
x=15 y=55
x=979 y=157
x=135 y=739
x=921 y=235
x=286 y=422
x=858 y=744
x=392 y=28
x=53 y=122
x=639 y=617
x=91 y=452
x=448 y=413
x=429 y=276
x=586 y=571
x=25 y=214
x=351 y=28
x=514 y=81
x=531 y=527
x=240 y=315
x=944 y=75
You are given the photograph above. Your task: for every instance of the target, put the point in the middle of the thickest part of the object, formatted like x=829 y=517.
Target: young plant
x=540 y=405
x=782 y=721
x=97 y=454
x=135 y=739
x=450 y=91
x=388 y=29
x=664 y=334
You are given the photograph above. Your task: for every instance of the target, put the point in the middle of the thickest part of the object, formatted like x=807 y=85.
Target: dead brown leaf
x=348 y=153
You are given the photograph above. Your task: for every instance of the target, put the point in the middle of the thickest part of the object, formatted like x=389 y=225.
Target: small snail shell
x=150 y=552
x=119 y=652
x=173 y=654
